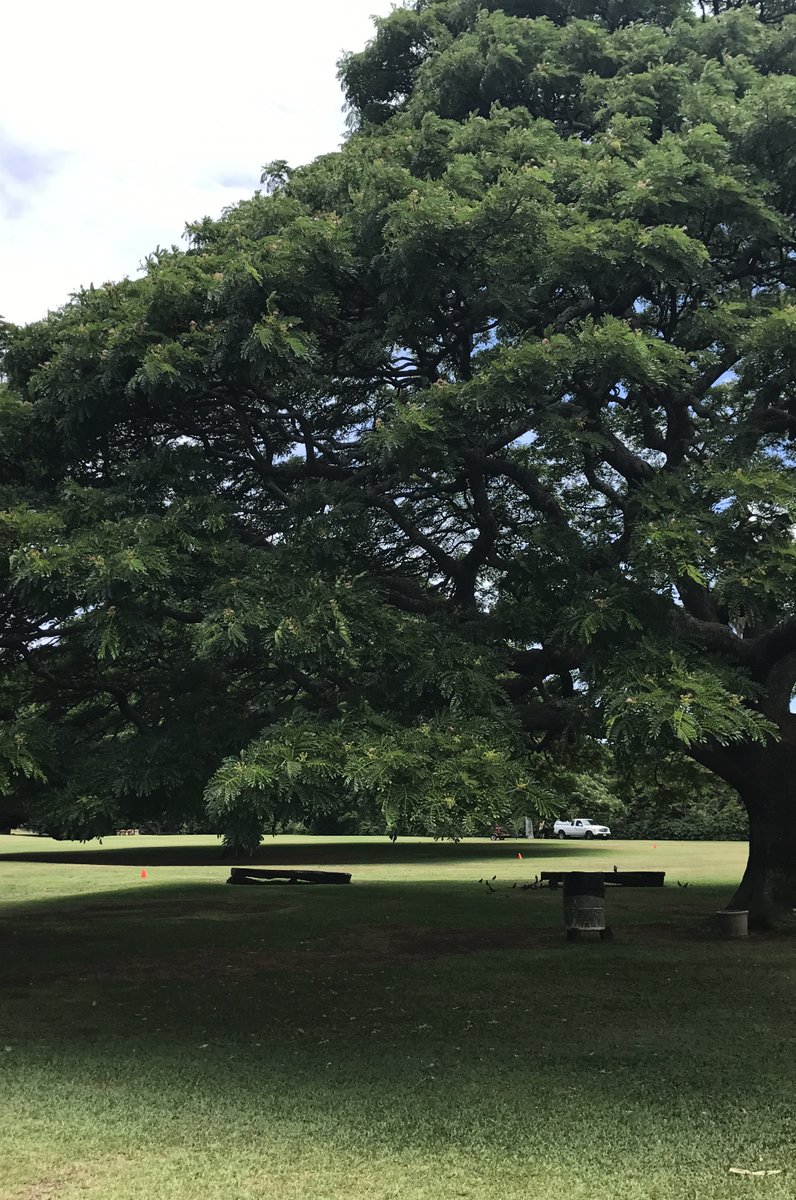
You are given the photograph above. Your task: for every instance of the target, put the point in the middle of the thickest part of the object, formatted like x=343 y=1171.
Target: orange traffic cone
x=143 y=873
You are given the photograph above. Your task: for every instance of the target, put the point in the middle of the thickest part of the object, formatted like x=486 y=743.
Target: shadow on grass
x=171 y=912
x=321 y=853
x=416 y=1025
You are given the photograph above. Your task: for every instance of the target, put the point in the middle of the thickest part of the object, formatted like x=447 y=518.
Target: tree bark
x=768 y=887
x=765 y=779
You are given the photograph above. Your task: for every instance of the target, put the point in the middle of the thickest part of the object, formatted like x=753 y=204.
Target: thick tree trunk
x=768 y=790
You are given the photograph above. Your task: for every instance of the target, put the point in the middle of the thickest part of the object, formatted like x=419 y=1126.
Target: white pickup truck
x=580 y=828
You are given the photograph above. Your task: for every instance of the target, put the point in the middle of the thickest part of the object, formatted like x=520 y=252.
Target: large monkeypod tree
x=442 y=455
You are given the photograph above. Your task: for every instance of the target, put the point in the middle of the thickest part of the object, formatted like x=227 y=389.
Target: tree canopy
x=439 y=457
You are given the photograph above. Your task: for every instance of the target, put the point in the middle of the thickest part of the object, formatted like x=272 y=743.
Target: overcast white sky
x=120 y=123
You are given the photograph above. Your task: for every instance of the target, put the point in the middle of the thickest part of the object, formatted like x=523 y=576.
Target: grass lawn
x=411 y=1036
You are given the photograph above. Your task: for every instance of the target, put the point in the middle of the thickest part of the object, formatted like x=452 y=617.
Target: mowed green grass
x=411 y=1036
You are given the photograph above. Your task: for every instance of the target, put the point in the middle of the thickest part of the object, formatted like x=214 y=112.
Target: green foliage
x=440 y=777
x=440 y=458
x=18 y=756
x=73 y=816
x=667 y=701
x=674 y=799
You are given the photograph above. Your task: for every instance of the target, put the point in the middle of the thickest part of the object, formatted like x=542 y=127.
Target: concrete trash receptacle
x=584 y=903
x=734 y=923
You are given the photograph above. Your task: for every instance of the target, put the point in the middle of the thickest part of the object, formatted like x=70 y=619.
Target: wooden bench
x=246 y=875
x=613 y=878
